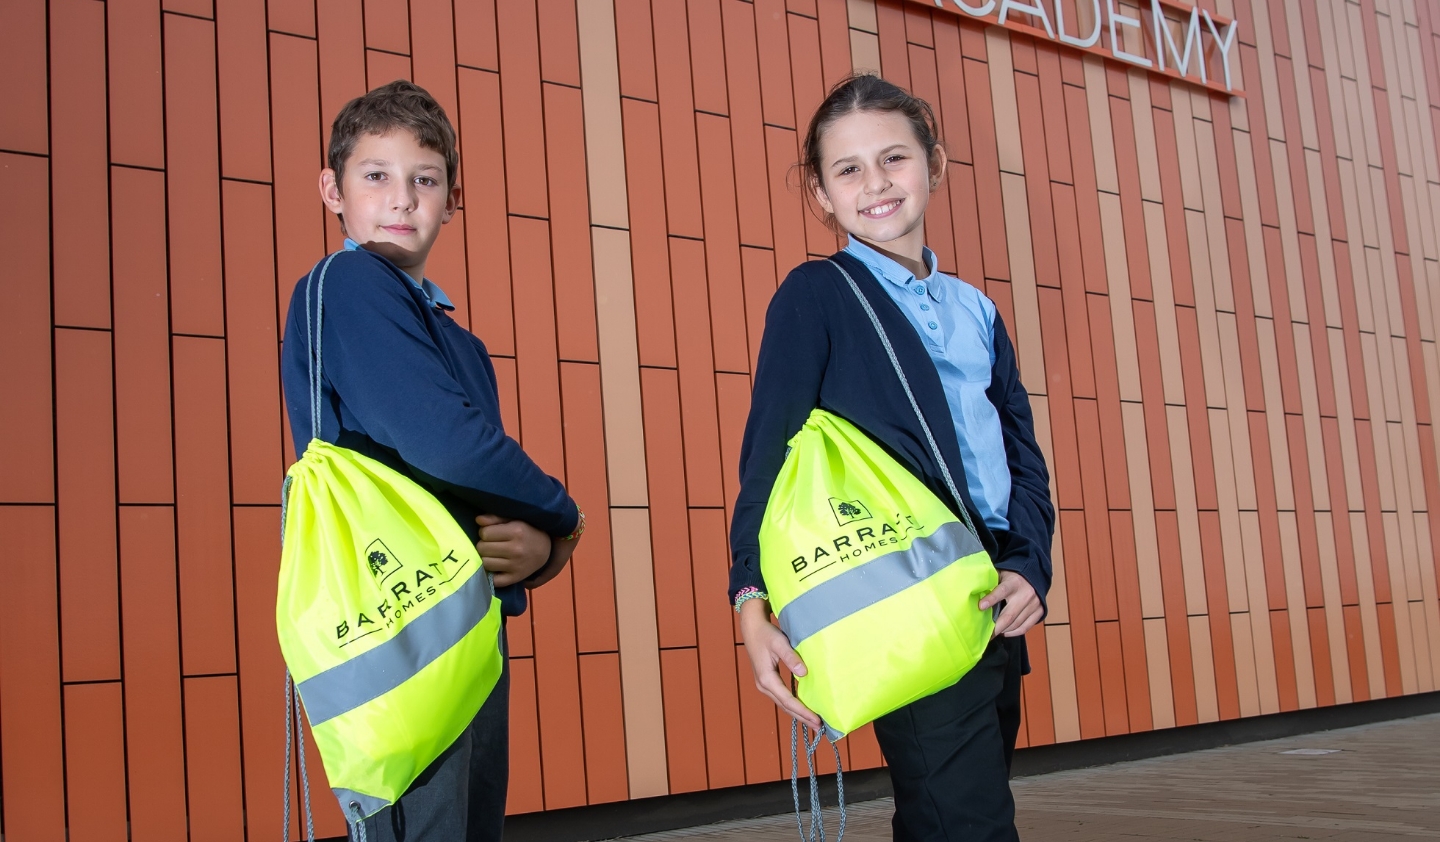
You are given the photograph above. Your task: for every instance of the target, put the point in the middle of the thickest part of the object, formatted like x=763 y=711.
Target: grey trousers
x=461 y=796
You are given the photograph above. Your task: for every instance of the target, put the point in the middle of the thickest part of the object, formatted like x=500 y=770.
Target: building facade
x=1222 y=278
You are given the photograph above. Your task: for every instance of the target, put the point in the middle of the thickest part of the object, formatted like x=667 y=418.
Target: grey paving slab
x=1378 y=782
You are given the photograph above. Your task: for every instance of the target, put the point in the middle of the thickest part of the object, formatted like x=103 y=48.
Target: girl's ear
x=937 y=168
x=821 y=196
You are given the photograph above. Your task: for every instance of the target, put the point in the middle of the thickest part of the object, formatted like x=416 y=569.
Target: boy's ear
x=452 y=204
x=330 y=191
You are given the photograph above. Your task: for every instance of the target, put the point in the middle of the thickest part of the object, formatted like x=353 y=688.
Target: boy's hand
x=767 y=647
x=512 y=550
x=1022 y=607
x=560 y=552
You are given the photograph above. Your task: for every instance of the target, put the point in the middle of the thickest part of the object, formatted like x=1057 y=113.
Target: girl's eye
x=894 y=158
x=849 y=170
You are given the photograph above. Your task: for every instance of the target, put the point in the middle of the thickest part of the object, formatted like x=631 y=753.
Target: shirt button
x=934 y=326
x=924 y=306
x=920 y=289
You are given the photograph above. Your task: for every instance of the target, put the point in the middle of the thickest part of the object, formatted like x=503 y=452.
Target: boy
x=405 y=384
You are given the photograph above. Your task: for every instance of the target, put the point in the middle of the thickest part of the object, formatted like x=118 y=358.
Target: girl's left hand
x=1022 y=606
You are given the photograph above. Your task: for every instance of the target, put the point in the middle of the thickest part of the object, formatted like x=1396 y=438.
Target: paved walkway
x=1373 y=783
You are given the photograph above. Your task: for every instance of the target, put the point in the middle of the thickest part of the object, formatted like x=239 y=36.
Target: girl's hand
x=1022 y=607
x=767 y=647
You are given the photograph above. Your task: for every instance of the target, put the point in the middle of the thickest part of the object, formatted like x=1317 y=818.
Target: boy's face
x=393 y=197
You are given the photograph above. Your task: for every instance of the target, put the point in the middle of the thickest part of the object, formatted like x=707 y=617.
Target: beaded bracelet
x=579 y=526
x=749 y=593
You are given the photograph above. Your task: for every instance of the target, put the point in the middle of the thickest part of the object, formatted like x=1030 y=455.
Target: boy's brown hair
x=398 y=105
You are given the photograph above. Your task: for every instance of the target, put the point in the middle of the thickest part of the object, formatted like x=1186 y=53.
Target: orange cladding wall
x=1225 y=310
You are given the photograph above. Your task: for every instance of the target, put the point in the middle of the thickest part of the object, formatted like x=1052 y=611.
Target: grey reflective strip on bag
x=346 y=686
x=863 y=586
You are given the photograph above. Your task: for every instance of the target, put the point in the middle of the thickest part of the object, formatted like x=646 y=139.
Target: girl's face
x=876 y=180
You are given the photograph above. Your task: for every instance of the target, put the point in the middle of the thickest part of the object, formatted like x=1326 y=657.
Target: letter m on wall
x=1164 y=40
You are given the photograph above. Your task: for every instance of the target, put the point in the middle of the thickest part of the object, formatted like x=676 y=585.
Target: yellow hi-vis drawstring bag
x=874 y=581
x=387 y=621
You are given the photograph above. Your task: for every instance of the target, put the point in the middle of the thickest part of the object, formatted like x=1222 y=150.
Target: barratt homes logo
x=848 y=511
x=382 y=561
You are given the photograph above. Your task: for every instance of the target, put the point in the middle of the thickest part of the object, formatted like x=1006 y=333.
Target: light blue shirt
x=956 y=322
x=432 y=292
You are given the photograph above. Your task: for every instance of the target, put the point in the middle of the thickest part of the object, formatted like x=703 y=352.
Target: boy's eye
x=374 y=176
x=426 y=181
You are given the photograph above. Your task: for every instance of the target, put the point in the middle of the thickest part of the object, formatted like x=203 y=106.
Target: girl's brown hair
x=863 y=92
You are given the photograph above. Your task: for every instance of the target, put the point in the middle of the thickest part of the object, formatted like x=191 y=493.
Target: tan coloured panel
x=1002 y=95
x=604 y=138
x=1157 y=665
x=639 y=653
x=1060 y=659
x=1263 y=641
x=1295 y=604
x=619 y=367
x=1334 y=618
x=1245 y=677
x=1202 y=658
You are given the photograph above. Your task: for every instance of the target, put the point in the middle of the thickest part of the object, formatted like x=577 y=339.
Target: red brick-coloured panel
x=1087 y=656
x=714 y=620
x=26 y=445
x=537 y=367
x=802 y=7
x=733 y=394
x=1052 y=101
x=894 y=55
x=202 y=507
x=298 y=159
x=809 y=83
x=193 y=184
x=1230 y=202
x=1259 y=137
x=1389 y=648
x=1304 y=510
x=261 y=670
x=1177 y=626
x=81 y=230
x=95 y=762
x=382 y=68
x=649 y=243
x=1036 y=691
x=523 y=117
x=559 y=42
x=30 y=719
x=253 y=378
x=635 y=44
x=939 y=233
x=1112 y=678
x=917 y=26
x=1294 y=148
x=1355 y=654
x=669 y=520
x=1244 y=301
x=747 y=130
x=557 y=692
x=790 y=203
x=142 y=340
x=570 y=224
x=294 y=17
x=1266 y=503
x=681 y=168
x=965 y=220
x=835 y=54
x=387 y=26
x=212 y=758
x=22 y=62
x=526 y=783
x=1284 y=649
x=1370 y=487
x=1066 y=453
x=137 y=121
x=1176 y=236
x=475 y=36
x=1087 y=203
x=342 y=58
x=773 y=40
x=763 y=761
x=697 y=375
x=604 y=728
x=1222 y=645
x=760 y=285
x=684 y=722
x=1132 y=630
x=1201 y=450
x=1107 y=391
x=1343 y=540
x=951 y=107
x=432 y=38
x=722 y=244
x=1137 y=257
x=482 y=148
x=1320 y=657
x=1097 y=523
x=85 y=470
x=707 y=54
x=585 y=478
x=1162 y=479
x=244 y=107
x=155 y=751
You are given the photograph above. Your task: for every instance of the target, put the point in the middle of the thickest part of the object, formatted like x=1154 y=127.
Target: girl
x=871 y=160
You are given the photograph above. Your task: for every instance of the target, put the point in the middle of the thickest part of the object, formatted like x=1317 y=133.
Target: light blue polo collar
x=896 y=274
x=432 y=291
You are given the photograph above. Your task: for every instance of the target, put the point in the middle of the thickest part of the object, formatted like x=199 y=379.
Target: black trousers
x=949 y=754
x=460 y=797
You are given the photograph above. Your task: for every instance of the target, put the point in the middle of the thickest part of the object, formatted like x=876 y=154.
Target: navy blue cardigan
x=404 y=384
x=820 y=349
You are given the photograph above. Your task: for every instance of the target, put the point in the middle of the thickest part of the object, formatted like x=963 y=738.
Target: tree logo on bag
x=848 y=511
x=382 y=561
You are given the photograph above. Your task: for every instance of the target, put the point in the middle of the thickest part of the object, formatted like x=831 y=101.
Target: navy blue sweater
x=820 y=349
x=406 y=385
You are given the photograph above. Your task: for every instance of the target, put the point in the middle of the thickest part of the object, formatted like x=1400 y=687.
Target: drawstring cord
x=799 y=732
x=294 y=725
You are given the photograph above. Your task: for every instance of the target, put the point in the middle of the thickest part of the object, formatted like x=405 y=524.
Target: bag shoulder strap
x=314 y=329
x=914 y=404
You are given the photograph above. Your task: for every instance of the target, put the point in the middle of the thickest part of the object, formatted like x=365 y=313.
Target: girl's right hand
x=768 y=647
